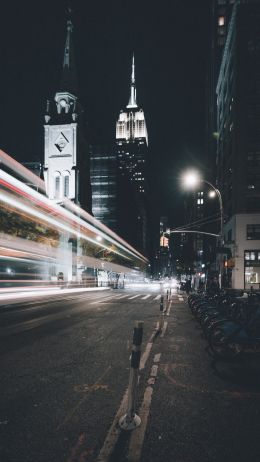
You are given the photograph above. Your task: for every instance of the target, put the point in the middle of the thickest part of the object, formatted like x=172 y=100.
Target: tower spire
x=69 y=74
x=132 y=100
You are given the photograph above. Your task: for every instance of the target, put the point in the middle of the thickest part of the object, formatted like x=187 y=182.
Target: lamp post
x=192 y=179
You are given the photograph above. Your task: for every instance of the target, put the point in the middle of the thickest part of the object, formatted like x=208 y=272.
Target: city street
x=64 y=374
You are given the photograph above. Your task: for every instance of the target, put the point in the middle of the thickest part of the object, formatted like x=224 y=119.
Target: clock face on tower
x=61 y=142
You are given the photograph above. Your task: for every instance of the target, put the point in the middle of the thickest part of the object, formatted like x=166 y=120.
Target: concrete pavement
x=192 y=408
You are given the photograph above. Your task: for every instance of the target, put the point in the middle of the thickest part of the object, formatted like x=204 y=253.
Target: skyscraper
x=132 y=145
x=104 y=185
x=220 y=15
x=66 y=157
x=238 y=150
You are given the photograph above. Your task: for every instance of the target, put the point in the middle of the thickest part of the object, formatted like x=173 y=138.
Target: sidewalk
x=196 y=410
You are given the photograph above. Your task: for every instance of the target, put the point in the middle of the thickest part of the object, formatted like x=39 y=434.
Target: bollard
x=131 y=420
x=161 y=321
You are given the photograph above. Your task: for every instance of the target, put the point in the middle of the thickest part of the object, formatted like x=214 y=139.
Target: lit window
x=221 y=20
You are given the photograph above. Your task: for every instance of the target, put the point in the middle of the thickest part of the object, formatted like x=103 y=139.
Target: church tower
x=66 y=157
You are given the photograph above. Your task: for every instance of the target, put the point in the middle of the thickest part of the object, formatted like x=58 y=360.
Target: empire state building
x=132 y=138
x=132 y=147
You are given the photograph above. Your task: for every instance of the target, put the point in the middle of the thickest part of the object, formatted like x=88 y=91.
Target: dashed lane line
x=137 y=437
x=114 y=431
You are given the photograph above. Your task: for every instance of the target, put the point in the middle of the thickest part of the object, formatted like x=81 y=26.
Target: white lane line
x=154 y=371
x=137 y=437
x=180 y=298
x=145 y=297
x=145 y=355
x=169 y=309
x=114 y=431
x=164 y=329
x=134 y=296
x=105 y=299
x=157 y=297
x=157 y=358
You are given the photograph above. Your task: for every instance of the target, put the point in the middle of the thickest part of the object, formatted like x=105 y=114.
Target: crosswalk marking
x=134 y=296
x=105 y=299
x=157 y=297
x=122 y=296
x=145 y=297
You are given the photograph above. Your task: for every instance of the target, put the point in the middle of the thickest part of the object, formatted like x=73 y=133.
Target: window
x=57 y=187
x=250 y=255
x=66 y=186
x=221 y=20
x=253 y=232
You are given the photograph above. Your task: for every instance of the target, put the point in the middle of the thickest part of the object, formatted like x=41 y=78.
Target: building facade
x=104 y=185
x=238 y=147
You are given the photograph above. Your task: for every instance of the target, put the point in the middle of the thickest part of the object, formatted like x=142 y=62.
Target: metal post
x=221 y=240
x=131 y=420
x=161 y=321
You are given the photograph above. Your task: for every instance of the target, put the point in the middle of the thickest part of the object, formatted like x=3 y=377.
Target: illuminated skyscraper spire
x=132 y=101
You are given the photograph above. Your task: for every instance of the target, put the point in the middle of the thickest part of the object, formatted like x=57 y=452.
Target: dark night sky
x=170 y=40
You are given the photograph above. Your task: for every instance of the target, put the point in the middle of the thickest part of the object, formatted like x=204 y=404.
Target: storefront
x=252 y=269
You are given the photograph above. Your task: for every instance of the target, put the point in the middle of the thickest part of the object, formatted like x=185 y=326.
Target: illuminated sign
x=164 y=241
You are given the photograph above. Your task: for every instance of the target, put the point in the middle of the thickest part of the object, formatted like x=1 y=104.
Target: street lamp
x=191 y=179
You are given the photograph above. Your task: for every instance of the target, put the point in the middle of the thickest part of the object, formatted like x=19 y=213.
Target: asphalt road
x=64 y=372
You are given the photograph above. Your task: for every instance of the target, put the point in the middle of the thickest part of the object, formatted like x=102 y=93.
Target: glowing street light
x=191 y=179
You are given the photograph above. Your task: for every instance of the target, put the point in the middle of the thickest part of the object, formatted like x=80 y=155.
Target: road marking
x=105 y=299
x=145 y=355
x=157 y=358
x=114 y=431
x=169 y=309
x=180 y=298
x=157 y=297
x=154 y=371
x=145 y=297
x=165 y=324
x=122 y=296
x=137 y=437
x=134 y=296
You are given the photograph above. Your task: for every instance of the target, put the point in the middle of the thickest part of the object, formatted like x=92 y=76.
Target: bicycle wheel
x=223 y=345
